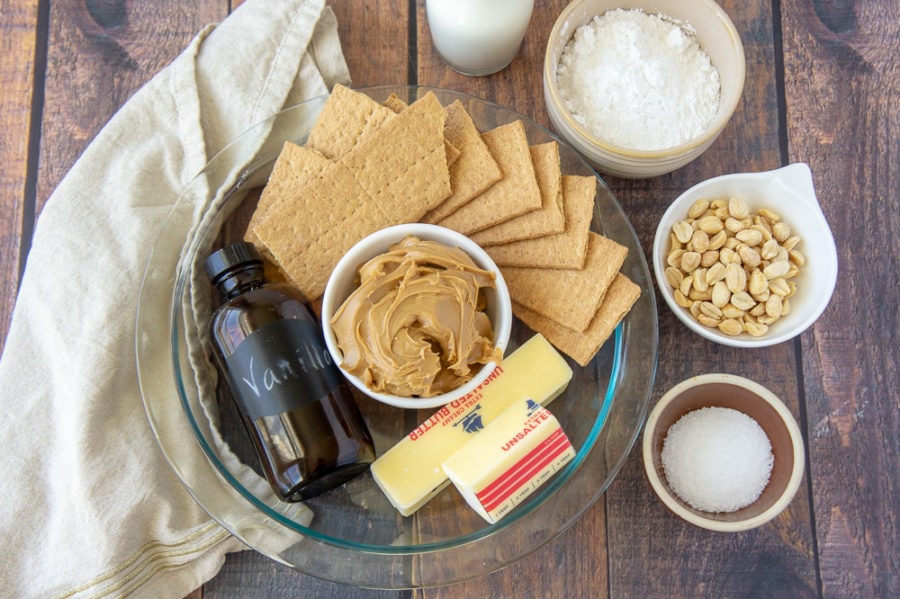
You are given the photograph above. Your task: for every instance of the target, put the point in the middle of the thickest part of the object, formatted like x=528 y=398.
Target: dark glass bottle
x=297 y=408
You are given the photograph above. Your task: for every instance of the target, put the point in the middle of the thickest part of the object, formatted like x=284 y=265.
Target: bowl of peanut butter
x=416 y=315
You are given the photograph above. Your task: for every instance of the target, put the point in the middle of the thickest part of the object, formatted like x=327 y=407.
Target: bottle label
x=281 y=366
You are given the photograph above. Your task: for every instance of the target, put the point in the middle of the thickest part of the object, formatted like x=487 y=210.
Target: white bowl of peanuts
x=747 y=259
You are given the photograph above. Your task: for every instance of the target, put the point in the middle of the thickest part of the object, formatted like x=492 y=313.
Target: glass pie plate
x=352 y=534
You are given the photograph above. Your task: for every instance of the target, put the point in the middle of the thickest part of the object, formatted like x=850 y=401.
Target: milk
x=478 y=37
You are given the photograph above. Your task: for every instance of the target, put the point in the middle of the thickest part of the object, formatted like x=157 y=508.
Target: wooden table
x=823 y=87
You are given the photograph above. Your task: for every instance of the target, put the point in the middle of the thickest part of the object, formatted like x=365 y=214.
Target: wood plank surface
x=822 y=87
x=99 y=54
x=842 y=88
x=18 y=53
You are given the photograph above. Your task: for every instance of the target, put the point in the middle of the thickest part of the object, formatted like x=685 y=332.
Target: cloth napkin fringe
x=154 y=558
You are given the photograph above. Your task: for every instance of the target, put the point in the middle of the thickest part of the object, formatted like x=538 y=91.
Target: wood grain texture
x=100 y=53
x=250 y=574
x=375 y=40
x=843 y=111
x=572 y=566
x=18 y=47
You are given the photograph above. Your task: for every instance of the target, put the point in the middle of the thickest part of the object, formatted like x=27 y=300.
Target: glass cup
x=478 y=37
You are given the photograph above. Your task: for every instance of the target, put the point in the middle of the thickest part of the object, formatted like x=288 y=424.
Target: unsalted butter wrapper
x=410 y=473
x=515 y=454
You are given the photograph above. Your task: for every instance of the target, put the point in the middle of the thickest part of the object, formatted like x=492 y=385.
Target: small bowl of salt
x=642 y=87
x=723 y=452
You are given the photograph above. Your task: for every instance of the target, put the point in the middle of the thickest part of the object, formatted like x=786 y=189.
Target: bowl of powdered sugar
x=642 y=87
x=723 y=452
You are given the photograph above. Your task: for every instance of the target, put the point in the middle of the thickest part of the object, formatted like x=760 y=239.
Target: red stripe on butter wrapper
x=518 y=475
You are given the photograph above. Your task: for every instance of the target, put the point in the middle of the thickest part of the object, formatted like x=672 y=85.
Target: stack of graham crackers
x=367 y=166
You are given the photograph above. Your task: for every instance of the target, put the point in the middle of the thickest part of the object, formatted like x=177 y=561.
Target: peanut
x=749 y=256
x=733 y=269
x=717 y=241
x=710 y=224
x=699 y=241
x=674 y=276
x=698 y=209
x=738 y=208
x=709 y=258
x=755 y=329
x=715 y=273
x=777 y=269
x=732 y=311
x=774 y=306
x=731 y=326
x=690 y=261
x=683 y=231
x=734 y=225
x=758 y=282
x=735 y=277
x=700 y=283
x=752 y=237
x=781 y=231
x=720 y=294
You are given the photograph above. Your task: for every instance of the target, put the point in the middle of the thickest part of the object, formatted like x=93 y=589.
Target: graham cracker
x=453 y=153
x=563 y=250
x=569 y=297
x=475 y=171
x=395 y=103
x=403 y=165
x=347 y=119
x=306 y=233
x=583 y=346
x=294 y=168
x=393 y=176
x=549 y=218
x=516 y=193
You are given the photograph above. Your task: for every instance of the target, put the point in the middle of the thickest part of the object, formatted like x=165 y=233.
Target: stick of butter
x=514 y=455
x=410 y=472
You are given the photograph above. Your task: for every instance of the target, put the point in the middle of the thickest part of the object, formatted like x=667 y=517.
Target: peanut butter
x=416 y=325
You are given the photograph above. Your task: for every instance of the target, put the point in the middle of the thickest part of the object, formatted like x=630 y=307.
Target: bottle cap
x=230 y=257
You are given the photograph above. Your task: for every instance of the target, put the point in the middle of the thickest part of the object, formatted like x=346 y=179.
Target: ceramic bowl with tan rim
x=757 y=402
x=717 y=37
x=344 y=280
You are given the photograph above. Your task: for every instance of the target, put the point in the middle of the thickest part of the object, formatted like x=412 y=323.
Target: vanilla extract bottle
x=296 y=406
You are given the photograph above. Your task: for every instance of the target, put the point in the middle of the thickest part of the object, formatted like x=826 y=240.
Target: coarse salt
x=717 y=459
x=638 y=80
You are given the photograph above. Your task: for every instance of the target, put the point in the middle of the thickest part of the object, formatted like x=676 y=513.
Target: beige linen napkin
x=89 y=506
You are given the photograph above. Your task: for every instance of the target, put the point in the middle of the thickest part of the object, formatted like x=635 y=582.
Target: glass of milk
x=478 y=37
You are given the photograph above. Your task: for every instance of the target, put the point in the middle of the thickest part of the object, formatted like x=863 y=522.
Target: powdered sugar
x=638 y=80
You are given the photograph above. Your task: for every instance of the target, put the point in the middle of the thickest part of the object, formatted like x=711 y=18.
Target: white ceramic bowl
x=343 y=281
x=788 y=191
x=757 y=402
x=718 y=38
